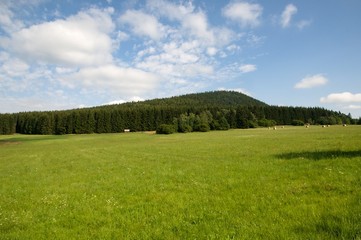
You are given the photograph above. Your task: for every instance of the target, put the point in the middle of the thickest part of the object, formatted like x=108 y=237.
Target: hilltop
x=222 y=99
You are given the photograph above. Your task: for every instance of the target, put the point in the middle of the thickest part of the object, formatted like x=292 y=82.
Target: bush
x=266 y=123
x=252 y=124
x=166 y=129
x=204 y=127
x=297 y=123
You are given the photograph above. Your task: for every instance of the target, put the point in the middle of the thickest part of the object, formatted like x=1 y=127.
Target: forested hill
x=218 y=110
x=221 y=99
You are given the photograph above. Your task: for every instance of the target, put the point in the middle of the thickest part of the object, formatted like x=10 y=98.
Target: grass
x=291 y=183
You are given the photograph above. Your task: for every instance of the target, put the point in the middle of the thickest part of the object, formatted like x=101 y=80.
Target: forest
x=219 y=110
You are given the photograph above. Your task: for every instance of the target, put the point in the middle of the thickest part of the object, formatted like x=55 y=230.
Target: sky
x=66 y=54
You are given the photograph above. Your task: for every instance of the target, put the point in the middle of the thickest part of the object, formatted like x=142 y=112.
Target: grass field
x=291 y=183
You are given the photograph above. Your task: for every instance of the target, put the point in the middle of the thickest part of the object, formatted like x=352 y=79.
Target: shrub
x=165 y=129
x=266 y=123
x=297 y=123
x=204 y=127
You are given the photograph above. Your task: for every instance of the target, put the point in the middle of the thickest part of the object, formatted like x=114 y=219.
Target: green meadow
x=289 y=183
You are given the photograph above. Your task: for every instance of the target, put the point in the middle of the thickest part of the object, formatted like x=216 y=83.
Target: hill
x=219 y=110
x=222 y=99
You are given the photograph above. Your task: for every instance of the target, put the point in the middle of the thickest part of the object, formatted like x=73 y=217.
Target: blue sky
x=67 y=54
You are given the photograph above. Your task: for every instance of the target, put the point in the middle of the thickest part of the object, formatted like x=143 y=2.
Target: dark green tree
x=184 y=124
x=45 y=124
x=7 y=124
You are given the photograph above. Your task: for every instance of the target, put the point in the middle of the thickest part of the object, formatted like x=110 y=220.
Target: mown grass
x=292 y=183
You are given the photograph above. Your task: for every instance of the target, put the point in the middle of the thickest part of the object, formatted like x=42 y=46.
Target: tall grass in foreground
x=292 y=183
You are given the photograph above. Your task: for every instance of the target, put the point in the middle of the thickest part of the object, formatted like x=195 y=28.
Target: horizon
x=69 y=55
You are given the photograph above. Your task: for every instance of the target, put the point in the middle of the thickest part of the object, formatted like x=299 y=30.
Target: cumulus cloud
x=247 y=68
x=79 y=40
x=180 y=53
x=193 y=23
x=185 y=57
x=287 y=14
x=143 y=24
x=177 y=60
x=112 y=79
x=312 y=81
x=344 y=97
x=246 y=14
x=197 y=24
x=75 y=54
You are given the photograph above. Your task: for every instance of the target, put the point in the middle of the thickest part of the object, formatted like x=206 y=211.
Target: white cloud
x=170 y=10
x=16 y=76
x=183 y=59
x=14 y=67
x=79 y=40
x=193 y=24
x=247 y=68
x=212 y=51
x=115 y=102
x=223 y=36
x=287 y=14
x=111 y=79
x=312 y=81
x=183 y=53
x=132 y=99
x=143 y=24
x=344 y=97
x=246 y=14
x=197 y=24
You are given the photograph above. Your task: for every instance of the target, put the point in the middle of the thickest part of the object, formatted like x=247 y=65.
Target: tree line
x=147 y=117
